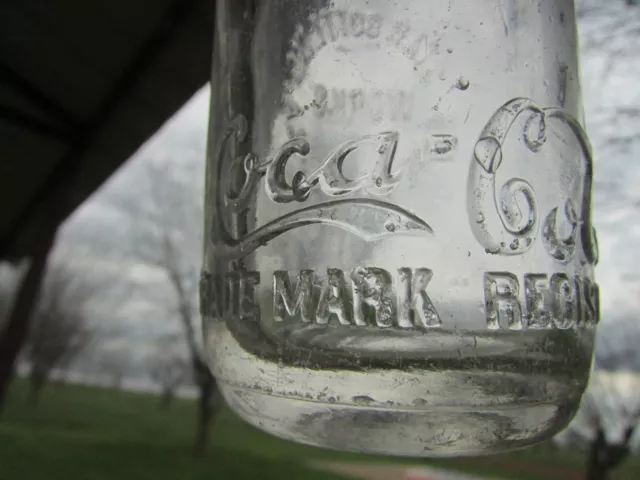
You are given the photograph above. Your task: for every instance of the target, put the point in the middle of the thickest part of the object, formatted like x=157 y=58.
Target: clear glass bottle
x=399 y=252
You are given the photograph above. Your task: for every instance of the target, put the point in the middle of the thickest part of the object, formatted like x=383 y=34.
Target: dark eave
x=82 y=86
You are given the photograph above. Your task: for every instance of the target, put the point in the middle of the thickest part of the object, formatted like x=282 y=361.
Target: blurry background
x=110 y=380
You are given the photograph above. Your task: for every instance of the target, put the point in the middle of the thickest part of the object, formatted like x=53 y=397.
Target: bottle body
x=399 y=251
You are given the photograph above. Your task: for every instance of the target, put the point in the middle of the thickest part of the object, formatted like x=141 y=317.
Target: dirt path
x=376 y=471
x=509 y=468
x=515 y=469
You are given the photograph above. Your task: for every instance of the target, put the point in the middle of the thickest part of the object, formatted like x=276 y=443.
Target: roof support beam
x=38 y=97
x=34 y=124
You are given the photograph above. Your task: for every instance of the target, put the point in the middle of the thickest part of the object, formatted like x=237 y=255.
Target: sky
x=99 y=236
x=100 y=239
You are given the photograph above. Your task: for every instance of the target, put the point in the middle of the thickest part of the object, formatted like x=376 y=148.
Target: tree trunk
x=117 y=382
x=15 y=333
x=603 y=457
x=166 y=399
x=37 y=381
x=597 y=461
x=207 y=391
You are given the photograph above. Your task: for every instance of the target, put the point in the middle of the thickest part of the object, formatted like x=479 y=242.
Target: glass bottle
x=399 y=251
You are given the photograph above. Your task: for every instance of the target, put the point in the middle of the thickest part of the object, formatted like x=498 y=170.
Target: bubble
x=390 y=226
x=378 y=182
x=362 y=400
x=462 y=83
x=515 y=244
x=382 y=149
x=479 y=217
x=443 y=144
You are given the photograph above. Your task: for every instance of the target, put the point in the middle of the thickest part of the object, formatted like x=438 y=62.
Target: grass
x=88 y=433
x=94 y=434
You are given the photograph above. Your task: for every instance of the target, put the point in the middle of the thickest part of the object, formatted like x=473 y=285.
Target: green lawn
x=94 y=434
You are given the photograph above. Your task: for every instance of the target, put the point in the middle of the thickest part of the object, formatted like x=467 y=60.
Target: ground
x=82 y=433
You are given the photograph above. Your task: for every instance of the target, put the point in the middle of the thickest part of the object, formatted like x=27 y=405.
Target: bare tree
x=167 y=236
x=114 y=364
x=168 y=368
x=9 y=279
x=59 y=325
x=607 y=449
x=607 y=421
x=7 y=293
x=15 y=330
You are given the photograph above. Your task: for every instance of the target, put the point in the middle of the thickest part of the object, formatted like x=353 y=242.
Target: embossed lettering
x=372 y=298
x=399 y=32
x=418 y=50
x=442 y=145
x=509 y=211
x=536 y=297
x=248 y=308
x=217 y=296
x=590 y=294
x=561 y=248
x=347 y=102
x=375 y=298
x=405 y=303
x=334 y=24
x=329 y=174
x=300 y=302
x=422 y=305
x=415 y=308
x=558 y=302
x=374 y=25
x=330 y=26
x=371 y=290
x=368 y=218
x=207 y=294
x=356 y=97
x=562 y=301
x=357 y=24
x=502 y=307
x=334 y=299
x=230 y=297
x=336 y=101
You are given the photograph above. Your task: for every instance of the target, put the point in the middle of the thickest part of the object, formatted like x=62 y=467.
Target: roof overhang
x=82 y=86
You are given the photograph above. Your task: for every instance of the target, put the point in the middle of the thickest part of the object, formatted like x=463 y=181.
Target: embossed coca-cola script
x=369 y=218
x=505 y=219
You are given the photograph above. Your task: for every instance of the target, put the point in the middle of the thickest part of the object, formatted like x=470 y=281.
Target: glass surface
x=399 y=251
